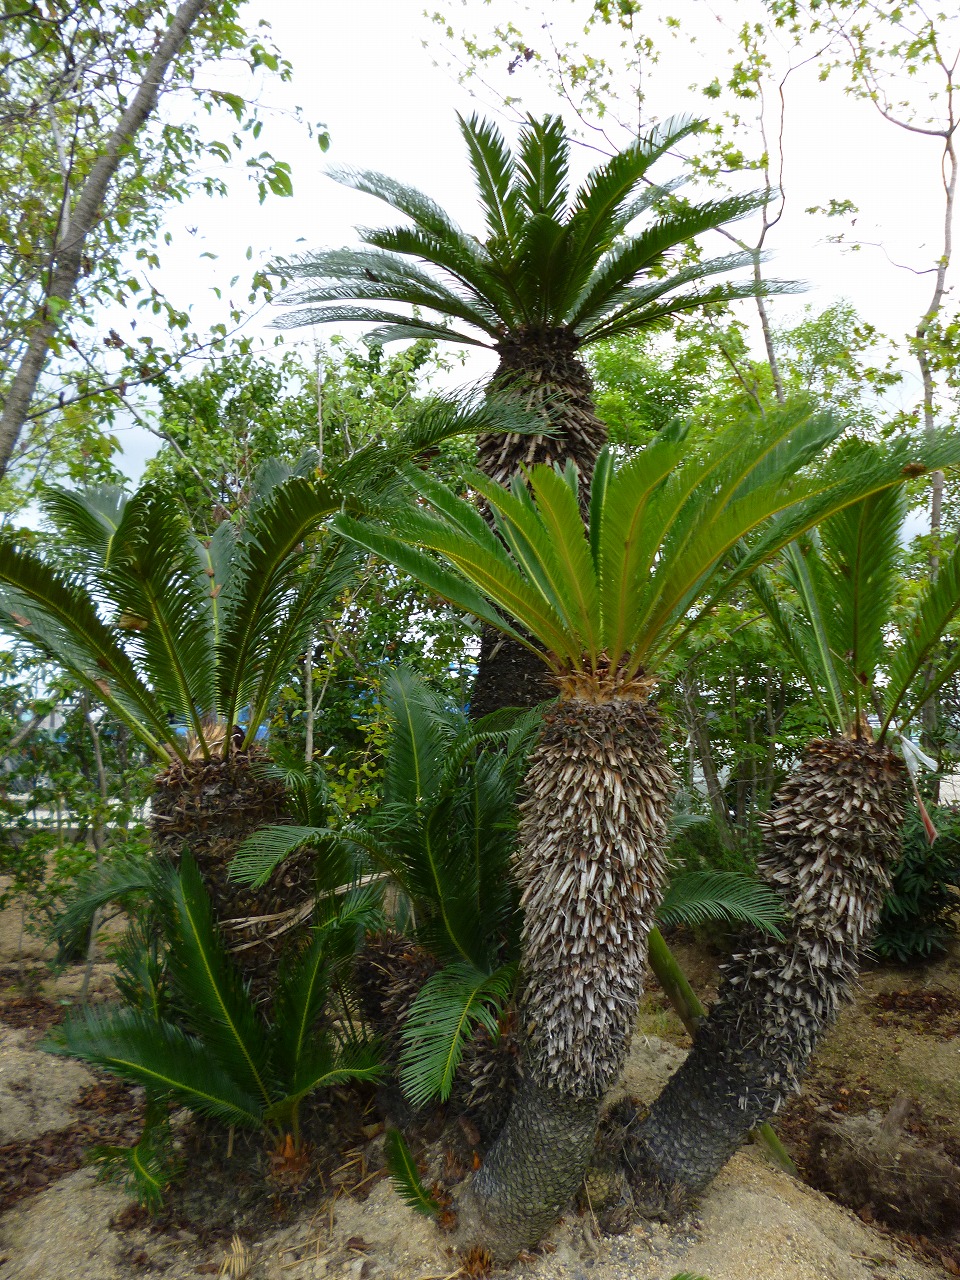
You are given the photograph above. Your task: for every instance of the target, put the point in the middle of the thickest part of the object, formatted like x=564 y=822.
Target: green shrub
x=187 y=1028
x=916 y=923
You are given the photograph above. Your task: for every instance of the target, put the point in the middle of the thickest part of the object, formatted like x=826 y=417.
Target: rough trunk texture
x=531 y=1173
x=210 y=807
x=508 y=676
x=830 y=840
x=543 y=371
x=591 y=869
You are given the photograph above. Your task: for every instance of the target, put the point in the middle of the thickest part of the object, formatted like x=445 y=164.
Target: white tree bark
x=83 y=218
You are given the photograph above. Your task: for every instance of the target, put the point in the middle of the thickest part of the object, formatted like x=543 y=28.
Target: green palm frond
x=646 y=251
x=308 y=595
x=550 y=261
x=299 y=1002
x=160 y=1056
x=727 y=897
x=369 y=472
x=443 y=1017
x=255 y=601
x=89 y=518
x=674 y=530
x=860 y=548
x=146 y=1168
x=494 y=174
x=261 y=853
x=53 y=614
x=820 y=648
x=542 y=167
x=324 y=1066
x=208 y=986
x=446 y=830
x=118 y=880
x=406 y=1178
x=414 y=763
x=937 y=607
x=805 y=642
x=153 y=579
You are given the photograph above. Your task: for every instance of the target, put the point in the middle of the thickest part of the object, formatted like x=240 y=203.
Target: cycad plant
x=605 y=608
x=831 y=838
x=439 y=986
x=557 y=270
x=188 y=1029
x=443 y=834
x=188 y=641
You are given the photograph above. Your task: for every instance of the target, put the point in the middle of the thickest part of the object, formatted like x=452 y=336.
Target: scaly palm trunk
x=544 y=372
x=591 y=870
x=210 y=807
x=830 y=840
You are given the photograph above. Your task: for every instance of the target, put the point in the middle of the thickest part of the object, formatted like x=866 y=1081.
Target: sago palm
x=831 y=838
x=188 y=641
x=188 y=1030
x=443 y=833
x=555 y=270
x=604 y=608
x=436 y=988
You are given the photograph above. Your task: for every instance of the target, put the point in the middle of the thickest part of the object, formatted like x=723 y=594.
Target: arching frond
x=937 y=607
x=52 y=613
x=442 y=1019
x=726 y=897
x=153 y=580
x=260 y=590
x=494 y=172
x=88 y=518
x=675 y=530
x=549 y=262
x=543 y=164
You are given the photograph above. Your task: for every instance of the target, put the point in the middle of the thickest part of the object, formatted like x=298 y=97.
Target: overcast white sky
x=362 y=70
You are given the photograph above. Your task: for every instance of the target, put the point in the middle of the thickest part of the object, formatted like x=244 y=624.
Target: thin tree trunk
x=700 y=737
x=68 y=255
x=929 y=712
x=24 y=732
x=99 y=839
x=309 y=713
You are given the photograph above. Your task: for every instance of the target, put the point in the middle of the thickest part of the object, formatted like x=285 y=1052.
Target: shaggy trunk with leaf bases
x=830 y=840
x=543 y=371
x=591 y=870
x=210 y=807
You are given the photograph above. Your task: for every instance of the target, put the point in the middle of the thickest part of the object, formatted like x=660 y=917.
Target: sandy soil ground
x=755 y=1223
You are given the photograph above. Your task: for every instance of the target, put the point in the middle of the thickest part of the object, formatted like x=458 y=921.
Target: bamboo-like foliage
x=553 y=259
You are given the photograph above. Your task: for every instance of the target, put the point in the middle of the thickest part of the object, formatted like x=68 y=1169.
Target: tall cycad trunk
x=543 y=371
x=210 y=807
x=591 y=870
x=830 y=841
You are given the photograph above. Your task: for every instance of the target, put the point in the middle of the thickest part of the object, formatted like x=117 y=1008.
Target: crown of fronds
x=553 y=258
x=172 y=632
x=209 y=1046
x=837 y=618
x=671 y=531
